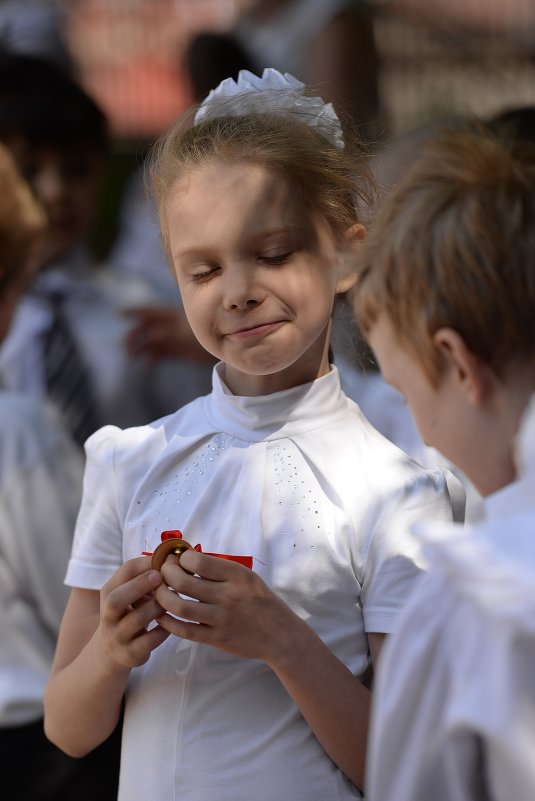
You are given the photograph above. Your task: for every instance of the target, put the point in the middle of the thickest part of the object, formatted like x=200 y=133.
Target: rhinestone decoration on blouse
x=182 y=484
x=292 y=494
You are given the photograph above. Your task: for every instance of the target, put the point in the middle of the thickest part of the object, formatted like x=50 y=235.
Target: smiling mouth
x=257 y=330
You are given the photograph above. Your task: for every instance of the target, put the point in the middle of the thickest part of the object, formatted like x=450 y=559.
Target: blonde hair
x=21 y=220
x=453 y=246
x=332 y=181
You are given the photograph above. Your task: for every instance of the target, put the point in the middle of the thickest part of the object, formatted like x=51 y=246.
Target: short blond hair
x=454 y=246
x=22 y=219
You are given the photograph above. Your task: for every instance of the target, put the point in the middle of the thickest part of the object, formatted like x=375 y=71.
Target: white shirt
x=454 y=704
x=128 y=391
x=40 y=490
x=300 y=481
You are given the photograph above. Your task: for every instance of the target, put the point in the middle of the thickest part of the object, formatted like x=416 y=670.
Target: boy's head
x=58 y=137
x=447 y=287
x=453 y=247
x=22 y=223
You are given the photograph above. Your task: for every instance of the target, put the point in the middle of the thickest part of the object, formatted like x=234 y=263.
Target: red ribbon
x=176 y=534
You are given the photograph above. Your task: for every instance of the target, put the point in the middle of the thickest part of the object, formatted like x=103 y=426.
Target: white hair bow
x=273 y=93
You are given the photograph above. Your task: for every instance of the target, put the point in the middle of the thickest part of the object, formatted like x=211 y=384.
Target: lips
x=258 y=329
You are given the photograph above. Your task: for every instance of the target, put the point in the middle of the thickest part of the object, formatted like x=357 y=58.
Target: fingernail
x=154 y=577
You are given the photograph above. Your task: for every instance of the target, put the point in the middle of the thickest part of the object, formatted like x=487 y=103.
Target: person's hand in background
x=162 y=333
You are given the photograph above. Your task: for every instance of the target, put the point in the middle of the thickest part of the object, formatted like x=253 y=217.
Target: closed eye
x=199 y=278
x=281 y=258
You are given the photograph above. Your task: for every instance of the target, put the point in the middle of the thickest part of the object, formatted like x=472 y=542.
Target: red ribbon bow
x=176 y=534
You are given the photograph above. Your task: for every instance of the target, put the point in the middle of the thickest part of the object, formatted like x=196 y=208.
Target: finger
x=127 y=571
x=139 y=618
x=193 y=586
x=155 y=637
x=118 y=601
x=195 y=611
x=212 y=567
x=195 y=632
x=140 y=649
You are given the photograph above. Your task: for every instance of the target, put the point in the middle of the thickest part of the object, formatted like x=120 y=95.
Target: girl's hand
x=233 y=608
x=127 y=607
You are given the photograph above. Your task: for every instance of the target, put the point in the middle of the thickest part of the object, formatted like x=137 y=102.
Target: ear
x=472 y=375
x=353 y=239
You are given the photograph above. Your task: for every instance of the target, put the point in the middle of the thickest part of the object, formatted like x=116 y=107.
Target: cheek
x=199 y=312
x=314 y=292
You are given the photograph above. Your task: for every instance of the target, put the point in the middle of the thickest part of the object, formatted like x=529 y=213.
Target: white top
x=388 y=412
x=454 y=704
x=40 y=489
x=128 y=391
x=300 y=481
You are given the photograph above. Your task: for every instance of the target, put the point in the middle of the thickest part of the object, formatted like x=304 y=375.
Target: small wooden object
x=174 y=545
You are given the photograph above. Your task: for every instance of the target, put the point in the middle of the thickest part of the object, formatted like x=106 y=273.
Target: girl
x=248 y=685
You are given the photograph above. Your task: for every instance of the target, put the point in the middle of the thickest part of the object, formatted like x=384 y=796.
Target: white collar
x=278 y=415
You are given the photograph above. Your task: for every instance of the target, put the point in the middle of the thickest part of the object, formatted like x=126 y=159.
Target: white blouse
x=300 y=481
x=454 y=703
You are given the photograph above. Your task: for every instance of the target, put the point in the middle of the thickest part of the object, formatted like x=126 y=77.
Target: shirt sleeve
x=454 y=704
x=392 y=560
x=97 y=549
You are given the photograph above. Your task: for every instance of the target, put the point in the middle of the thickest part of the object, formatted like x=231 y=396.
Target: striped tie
x=67 y=380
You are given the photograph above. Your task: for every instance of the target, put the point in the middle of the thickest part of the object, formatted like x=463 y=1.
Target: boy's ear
x=473 y=375
x=354 y=238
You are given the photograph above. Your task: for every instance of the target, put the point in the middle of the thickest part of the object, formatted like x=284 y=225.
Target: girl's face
x=258 y=273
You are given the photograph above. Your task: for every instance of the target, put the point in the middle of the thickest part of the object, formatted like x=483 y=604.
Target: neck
x=255 y=385
x=497 y=454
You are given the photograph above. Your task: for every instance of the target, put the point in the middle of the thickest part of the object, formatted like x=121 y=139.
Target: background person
x=40 y=489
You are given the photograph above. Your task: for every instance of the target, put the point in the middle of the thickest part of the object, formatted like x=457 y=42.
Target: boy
x=446 y=298
x=66 y=342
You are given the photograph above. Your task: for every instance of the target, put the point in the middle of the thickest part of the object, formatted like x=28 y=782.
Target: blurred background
x=431 y=58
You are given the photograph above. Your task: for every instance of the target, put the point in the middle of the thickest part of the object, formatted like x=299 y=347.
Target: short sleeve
x=97 y=549
x=393 y=558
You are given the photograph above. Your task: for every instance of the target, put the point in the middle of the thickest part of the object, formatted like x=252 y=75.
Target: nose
x=241 y=290
x=50 y=187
